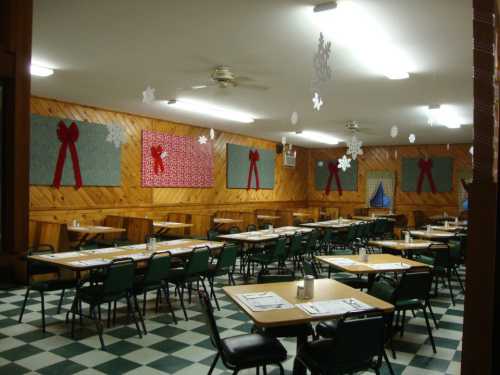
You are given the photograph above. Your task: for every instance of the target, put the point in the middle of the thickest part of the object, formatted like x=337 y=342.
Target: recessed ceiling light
x=319 y=137
x=329 y=5
x=40 y=71
x=443 y=115
x=209 y=110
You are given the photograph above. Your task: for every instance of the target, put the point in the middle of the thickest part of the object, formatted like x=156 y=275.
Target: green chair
x=195 y=270
x=38 y=269
x=413 y=293
x=295 y=253
x=312 y=242
x=251 y=228
x=212 y=234
x=224 y=265
x=154 y=278
x=358 y=346
x=326 y=240
x=117 y=284
x=234 y=229
x=265 y=258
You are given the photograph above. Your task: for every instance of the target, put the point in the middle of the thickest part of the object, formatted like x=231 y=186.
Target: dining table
x=163 y=227
x=87 y=233
x=298 y=311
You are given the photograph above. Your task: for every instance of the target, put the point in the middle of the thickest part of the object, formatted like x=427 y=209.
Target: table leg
x=298 y=367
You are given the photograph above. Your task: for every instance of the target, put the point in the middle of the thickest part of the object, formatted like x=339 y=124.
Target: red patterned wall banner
x=175 y=161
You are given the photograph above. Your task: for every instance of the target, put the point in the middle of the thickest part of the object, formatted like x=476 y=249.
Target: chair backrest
x=420 y=218
x=265 y=226
x=357 y=342
x=208 y=314
x=414 y=285
x=455 y=247
x=227 y=257
x=310 y=269
x=312 y=240
x=212 y=234
x=158 y=267
x=265 y=277
x=327 y=235
x=295 y=245
x=352 y=232
x=234 y=230
x=279 y=250
x=119 y=276
x=251 y=228
x=198 y=261
x=441 y=254
x=37 y=268
x=382 y=289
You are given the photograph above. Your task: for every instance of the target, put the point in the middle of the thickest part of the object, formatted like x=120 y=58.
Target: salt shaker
x=363 y=256
x=300 y=291
x=407 y=237
x=428 y=229
x=308 y=286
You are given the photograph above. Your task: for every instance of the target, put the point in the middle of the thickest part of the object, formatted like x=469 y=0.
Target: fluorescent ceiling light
x=325 y=6
x=443 y=115
x=40 y=71
x=319 y=137
x=206 y=109
x=353 y=28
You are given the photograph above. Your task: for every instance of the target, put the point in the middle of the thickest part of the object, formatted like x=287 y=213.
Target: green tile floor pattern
x=185 y=348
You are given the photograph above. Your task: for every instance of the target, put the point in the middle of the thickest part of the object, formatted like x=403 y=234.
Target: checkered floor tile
x=185 y=348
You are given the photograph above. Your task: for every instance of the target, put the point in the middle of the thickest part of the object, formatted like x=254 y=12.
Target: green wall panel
x=442 y=174
x=348 y=179
x=238 y=165
x=99 y=160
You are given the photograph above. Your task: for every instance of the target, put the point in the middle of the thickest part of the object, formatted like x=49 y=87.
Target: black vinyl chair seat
x=252 y=350
x=52 y=285
x=319 y=358
x=295 y=330
x=327 y=328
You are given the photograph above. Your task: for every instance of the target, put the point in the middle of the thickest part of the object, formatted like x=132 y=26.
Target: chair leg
x=144 y=300
x=389 y=366
x=169 y=304
x=212 y=292
x=459 y=279
x=181 y=298
x=450 y=288
x=114 y=312
x=428 y=304
x=131 y=309
x=429 y=329
x=403 y=321
x=282 y=370
x=214 y=362
x=43 y=311
x=109 y=315
x=74 y=307
x=98 y=326
x=236 y=370
x=26 y=296
x=60 y=301
x=136 y=305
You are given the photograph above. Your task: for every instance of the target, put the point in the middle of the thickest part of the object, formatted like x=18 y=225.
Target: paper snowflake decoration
x=294 y=118
x=320 y=163
x=354 y=147
x=394 y=131
x=317 y=101
x=202 y=140
x=148 y=95
x=322 y=70
x=116 y=135
x=412 y=138
x=471 y=150
x=212 y=133
x=344 y=163
x=164 y=155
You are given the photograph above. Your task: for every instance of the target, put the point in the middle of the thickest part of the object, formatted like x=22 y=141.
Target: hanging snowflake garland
x=212 y=134
x=344 y=163
x=354 y=147
x=317 y=102
x=412 y=138
x=394 y=131
x=202 y=140
x=148 y=95
x=294 y=118
x=116 y=135
x=322 y=70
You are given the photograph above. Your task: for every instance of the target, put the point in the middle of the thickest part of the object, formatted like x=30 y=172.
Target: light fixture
x=443 y=115
x=329 y=5
x=352 y=27
x=209 y=110
x=319 y=137
x=40 y=71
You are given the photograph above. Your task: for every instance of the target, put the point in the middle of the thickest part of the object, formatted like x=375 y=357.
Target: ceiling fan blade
x=252 y=86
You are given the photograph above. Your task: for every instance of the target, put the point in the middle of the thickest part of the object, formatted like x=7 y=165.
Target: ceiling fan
x=222 y=77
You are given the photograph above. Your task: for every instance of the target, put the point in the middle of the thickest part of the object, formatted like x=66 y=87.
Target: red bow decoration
x=254 y=157
x=68 y=137
x=425 y=170
x=158 y=161
x=334 y=171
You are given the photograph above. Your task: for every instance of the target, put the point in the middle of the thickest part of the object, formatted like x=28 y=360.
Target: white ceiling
x=106 y=52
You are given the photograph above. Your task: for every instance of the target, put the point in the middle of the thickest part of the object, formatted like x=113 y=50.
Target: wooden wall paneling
x=381 y=158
